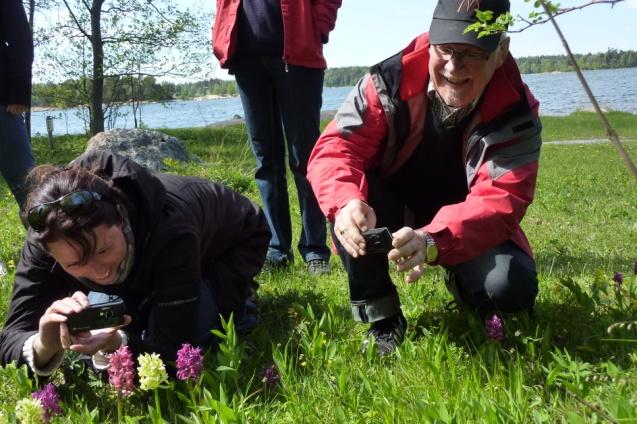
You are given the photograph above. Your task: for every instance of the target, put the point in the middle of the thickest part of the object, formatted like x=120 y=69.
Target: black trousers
x=503 y=278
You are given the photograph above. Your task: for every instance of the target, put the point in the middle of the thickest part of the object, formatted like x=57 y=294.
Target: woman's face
x=102 y=266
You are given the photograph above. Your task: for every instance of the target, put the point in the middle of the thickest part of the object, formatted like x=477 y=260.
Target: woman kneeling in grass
x=177 y=250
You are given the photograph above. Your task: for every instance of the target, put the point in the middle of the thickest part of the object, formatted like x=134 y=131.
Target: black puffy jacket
x=187 y=231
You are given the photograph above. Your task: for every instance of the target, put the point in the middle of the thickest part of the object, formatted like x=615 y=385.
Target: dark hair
x=48 y=183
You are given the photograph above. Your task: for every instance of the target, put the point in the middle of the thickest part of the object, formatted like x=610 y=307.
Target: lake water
x=558 y=93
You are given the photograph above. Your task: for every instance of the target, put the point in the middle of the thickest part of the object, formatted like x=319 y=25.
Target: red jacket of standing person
x=306 y=23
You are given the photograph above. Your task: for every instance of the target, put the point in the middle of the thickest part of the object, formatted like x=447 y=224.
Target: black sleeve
x=172 y=318
x=238 y=242
x=36 y=286
x=17 y=49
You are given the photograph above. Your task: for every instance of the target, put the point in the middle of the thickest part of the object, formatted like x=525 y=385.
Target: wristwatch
x=431 y=249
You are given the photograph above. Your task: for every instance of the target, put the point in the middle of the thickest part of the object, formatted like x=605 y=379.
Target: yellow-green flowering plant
x=152 y=373
x=151 y=370
x=29 y=411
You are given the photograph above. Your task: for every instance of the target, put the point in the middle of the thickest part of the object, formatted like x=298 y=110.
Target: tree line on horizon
x=124 y=88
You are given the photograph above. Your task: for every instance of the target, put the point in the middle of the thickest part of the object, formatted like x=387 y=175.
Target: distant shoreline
x=196 y=99
x=326 y=115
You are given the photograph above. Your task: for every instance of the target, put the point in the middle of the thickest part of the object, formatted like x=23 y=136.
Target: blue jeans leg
x=278 y=99
x=300 y=104
x=16 y=158
x=265 y=131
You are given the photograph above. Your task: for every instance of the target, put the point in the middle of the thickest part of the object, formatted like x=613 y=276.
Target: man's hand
x=409 y=252
x=354 y=218
x=17 y=109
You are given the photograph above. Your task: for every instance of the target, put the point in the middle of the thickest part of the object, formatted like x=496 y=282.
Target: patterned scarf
x=449 y=116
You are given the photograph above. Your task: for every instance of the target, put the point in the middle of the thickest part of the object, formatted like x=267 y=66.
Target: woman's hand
x=105 y=339
x=53 y=334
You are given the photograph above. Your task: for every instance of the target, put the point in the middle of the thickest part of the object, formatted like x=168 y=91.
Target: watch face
x=432 y=253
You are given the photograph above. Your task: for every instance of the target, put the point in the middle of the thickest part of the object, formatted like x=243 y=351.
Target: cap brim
x=446 y=31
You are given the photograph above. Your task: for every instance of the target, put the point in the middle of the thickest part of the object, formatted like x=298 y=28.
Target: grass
x=587 y=125
x=561 y=366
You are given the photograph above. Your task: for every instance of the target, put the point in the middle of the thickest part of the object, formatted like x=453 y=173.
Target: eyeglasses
x=77 y=203
x=467 y=56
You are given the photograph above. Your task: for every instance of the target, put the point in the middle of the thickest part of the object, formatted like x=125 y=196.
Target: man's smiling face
x=461 y=72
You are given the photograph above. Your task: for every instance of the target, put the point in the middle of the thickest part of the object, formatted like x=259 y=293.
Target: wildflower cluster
x=40 y=407
x=495 y=328
x=44 y=404
x=618 y=278
x=152 y=371
x=29 y=411
x=120 y=371
x=49 y=400
x=189 y=362
x=271 y=376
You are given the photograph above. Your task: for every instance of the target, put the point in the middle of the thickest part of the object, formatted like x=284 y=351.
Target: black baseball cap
x=451 y=18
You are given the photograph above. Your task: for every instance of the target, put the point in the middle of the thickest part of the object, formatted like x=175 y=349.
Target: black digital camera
x=100 y=315
x=378 y=240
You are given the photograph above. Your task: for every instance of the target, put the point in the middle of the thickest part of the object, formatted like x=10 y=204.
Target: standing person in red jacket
x=274 y=48
x=440 y=143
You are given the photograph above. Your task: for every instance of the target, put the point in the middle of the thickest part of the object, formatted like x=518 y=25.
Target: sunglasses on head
x=77 y=203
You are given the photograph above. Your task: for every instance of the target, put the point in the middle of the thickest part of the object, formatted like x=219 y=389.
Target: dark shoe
x=278 y=264
x=318 y=267
x=457 y=303
x=388 y=333
x=251 y=317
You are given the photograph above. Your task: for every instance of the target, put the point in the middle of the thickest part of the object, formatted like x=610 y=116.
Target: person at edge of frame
x=16 y=57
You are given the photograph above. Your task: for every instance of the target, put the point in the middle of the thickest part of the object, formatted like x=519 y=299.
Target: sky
x=368 y=31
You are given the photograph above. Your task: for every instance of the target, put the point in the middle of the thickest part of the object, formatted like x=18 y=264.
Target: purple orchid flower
x=50 y=401
x=495 y=328
x=121 y=371
x=189 y=362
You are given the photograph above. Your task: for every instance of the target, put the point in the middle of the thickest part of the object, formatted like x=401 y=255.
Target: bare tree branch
x=530 y=23
x=77 y=22
x=159 y=12
x=612 y=135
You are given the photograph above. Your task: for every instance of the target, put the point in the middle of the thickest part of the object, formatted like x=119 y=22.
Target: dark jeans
x=502 y=279
x=16 y=159
x=280 y=98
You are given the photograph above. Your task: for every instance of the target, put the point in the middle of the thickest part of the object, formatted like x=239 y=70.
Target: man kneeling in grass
x=440 y=143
